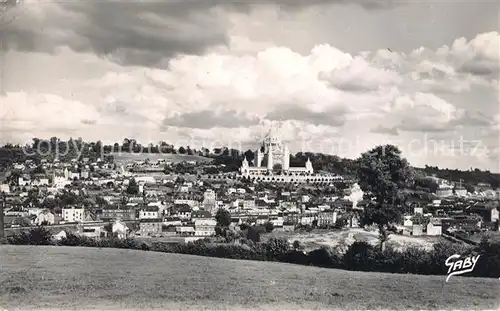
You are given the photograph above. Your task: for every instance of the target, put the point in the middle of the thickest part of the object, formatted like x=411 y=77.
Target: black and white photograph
x=249 y=155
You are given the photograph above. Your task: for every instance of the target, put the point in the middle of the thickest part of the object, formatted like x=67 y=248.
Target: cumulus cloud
x=294 y=112
x=358 y=75
x=130 y=37
x=207 y=119
x=127 y=32
x=479 y=56
x=231 y=90
x=25 y=116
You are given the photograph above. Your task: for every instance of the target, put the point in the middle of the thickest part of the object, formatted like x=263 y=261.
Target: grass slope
x=72 y=278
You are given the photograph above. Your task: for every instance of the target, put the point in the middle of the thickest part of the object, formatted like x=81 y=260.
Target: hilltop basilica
x=278 y=167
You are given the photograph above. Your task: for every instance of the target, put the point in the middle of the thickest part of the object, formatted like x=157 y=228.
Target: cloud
x=297 y=113
x=125 y=31
x=44 y=114
x=479 y=56
x=208 y=119
x=225 y=90
x=450 y=69
x=135 y=32
x=360 y=76
x=385 y=130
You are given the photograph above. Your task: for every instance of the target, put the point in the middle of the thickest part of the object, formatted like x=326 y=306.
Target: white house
x=434 y=227
x=186 y=201
x=172 y=221
x=34 y=211
x=4 y=188
x=45 y=217
x=120 y=229
x=84 y=175
x=72 y=214
x=60 y=182
x=277 y=221
x=416 y=230
x=92 y=229
x=21 y=182
x=407 y=222
x=418 y=210
x=145 y=179
x=41 y=182
x=149 y=213
x=205 y=227
x=185 y=231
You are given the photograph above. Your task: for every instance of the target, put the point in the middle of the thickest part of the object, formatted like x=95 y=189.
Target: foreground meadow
x=73 y=278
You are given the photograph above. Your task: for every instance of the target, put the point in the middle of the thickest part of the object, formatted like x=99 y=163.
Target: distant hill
x=174 y=158
x=74 y=278
x=232 y=159
x=470 y=178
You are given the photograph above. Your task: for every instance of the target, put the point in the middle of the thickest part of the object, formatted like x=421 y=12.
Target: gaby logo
x=461 y=266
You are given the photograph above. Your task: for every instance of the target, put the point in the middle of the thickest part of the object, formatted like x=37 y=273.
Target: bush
x=113 y=242
x=297 y=246
x=326 y=258
x=35 y=236
x=253 y=235
x=488 y=264
x=269 y=227
x=340 y=223
x=276 y=247
x=77 y=240
x=295 y=257
x=361 y=256
x=441 y=251
x=415 y=260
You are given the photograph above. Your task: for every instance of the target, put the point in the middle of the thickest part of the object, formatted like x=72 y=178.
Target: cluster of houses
x=183 y=207
x=448 y=216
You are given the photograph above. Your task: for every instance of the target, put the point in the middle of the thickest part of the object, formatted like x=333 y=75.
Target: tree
x=108 y=228
x=250 y=156
x=297 y=246
x=223 y=218
x=101 y=202
x=341 y=222
x=253 y=235
x=133 y=187
x=182 y=150
x=383 y=174
x=269 y=227
x=420 y=219
x=314 y=223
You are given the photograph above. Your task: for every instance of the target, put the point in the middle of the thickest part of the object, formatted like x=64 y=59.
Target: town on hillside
x=190 y=197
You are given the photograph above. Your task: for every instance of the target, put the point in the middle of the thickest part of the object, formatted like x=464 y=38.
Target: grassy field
x=123 y=158
x=315 y=239
x=71 y=278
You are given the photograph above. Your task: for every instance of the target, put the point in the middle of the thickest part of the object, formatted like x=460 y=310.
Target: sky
x=341 y=76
